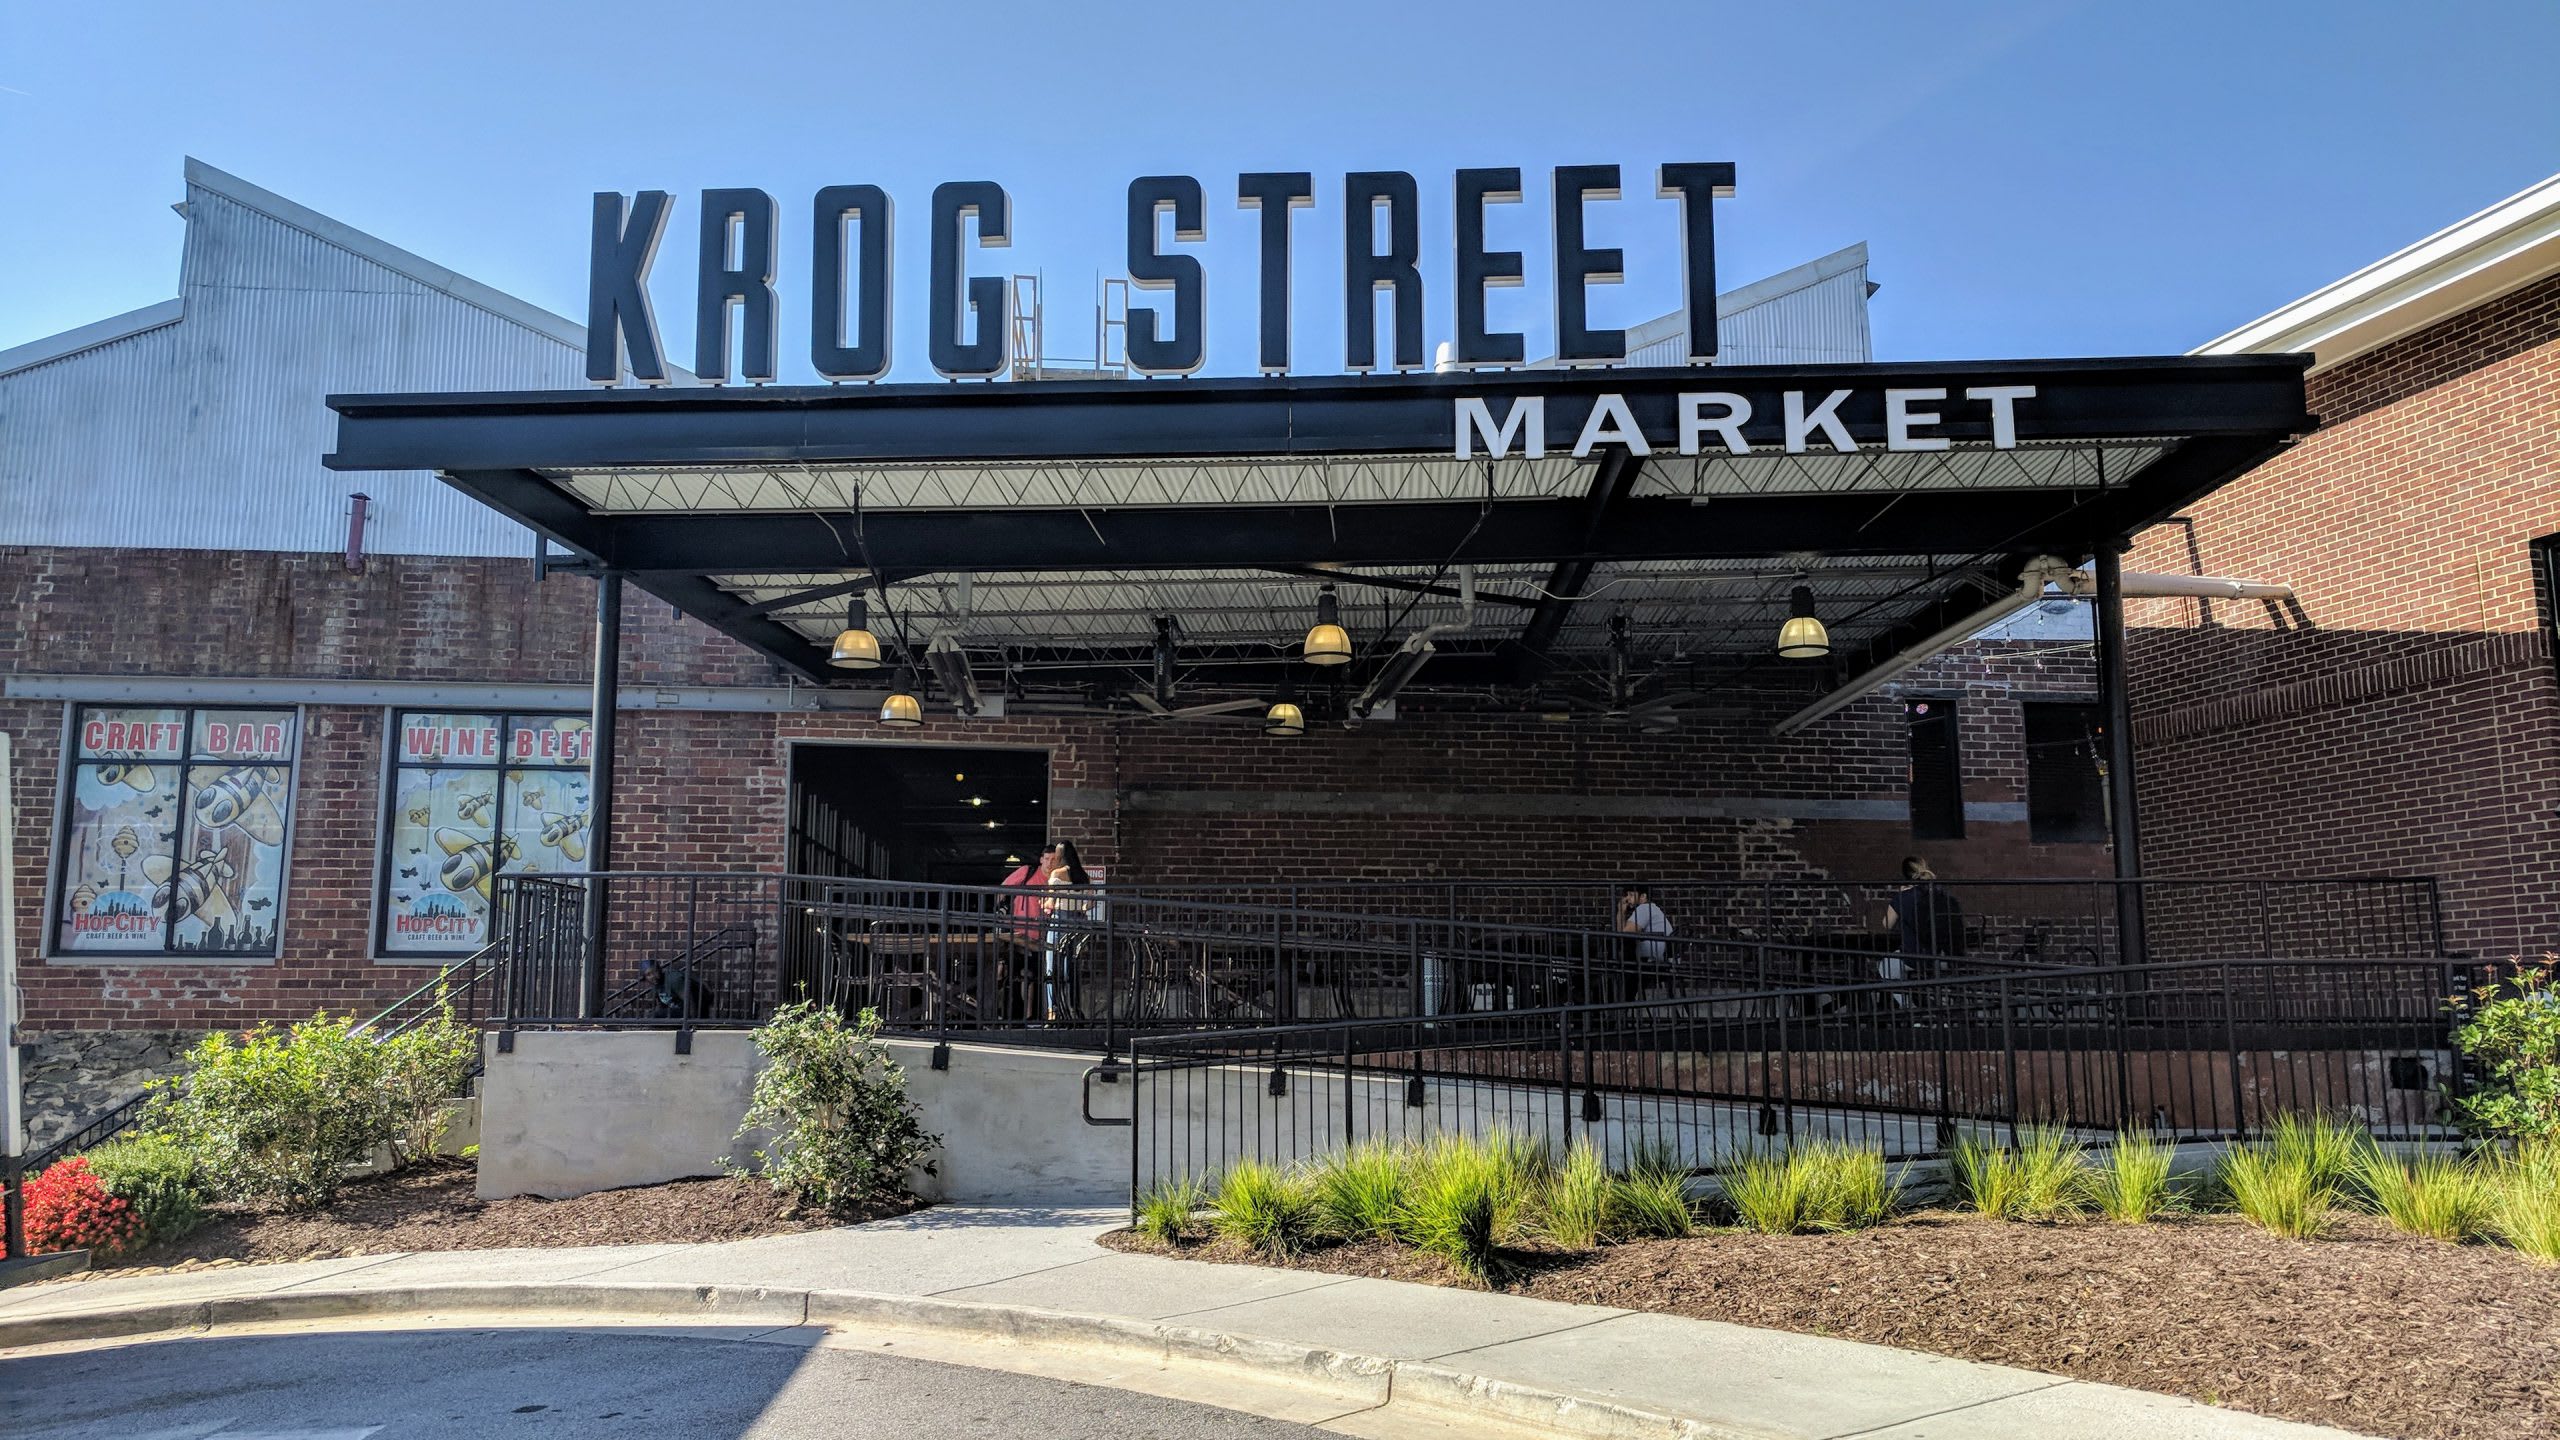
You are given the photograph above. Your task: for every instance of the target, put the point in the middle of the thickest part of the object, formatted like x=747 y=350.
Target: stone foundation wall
x=71 y=1075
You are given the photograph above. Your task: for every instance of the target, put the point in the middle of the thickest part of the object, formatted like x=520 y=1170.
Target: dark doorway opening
x=938 y=814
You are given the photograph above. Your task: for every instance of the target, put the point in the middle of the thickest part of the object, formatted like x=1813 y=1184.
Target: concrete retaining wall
x=568 y=1112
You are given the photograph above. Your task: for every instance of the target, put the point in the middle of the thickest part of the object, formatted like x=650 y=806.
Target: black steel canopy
x=1044 y=527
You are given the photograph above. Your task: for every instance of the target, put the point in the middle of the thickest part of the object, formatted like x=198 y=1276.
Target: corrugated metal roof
x=198 y=424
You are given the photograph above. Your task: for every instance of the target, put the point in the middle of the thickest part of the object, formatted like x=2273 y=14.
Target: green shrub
x=1267 y=1208
x=422 y=1070
x=2442 y=1197
x=1819 y=1185
x=2526 y=1206
x=282 y=1115
x=2513 y=1039
x=158 y=1177
x=1579 y=1204
x=2278 y=1188
x=843 y=1131
x=1467 y=1197
x=2130 y=1183
x=1360 y=1190
x=1652 y=1203
x=1165 y=1212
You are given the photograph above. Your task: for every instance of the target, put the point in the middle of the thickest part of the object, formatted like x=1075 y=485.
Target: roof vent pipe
x=2042 y=571
x=1417 y=648
x=2083 y=585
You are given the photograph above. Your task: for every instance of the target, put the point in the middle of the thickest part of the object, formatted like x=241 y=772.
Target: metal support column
x=601 y=709
x=2114 y=689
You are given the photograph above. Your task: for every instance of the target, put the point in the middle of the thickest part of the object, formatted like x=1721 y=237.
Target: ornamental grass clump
x=2130 y=1183
x=2279 y=1189
x=2041 y=1177
x=841 y=1132
x=1266 y=1209
x=1522 y=1165
x=1467 y=1197
x=1652 y=1204
x=2443 y=1197
x=2330 y=1151
x=1766 y=1193
x=1578 y=1208
x=1360 y=1190
x=2525 y=1210
x=1822 y=1185
x=1165 y=1212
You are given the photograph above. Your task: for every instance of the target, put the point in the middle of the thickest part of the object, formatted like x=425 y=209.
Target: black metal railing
x=2040 y=921
x=689 y=950
x=2190 y=1050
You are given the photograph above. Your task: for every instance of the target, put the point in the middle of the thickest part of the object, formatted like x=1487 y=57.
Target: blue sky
x=2033 y=179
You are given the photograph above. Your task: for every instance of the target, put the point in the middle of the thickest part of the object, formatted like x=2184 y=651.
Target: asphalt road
x=554 y=1383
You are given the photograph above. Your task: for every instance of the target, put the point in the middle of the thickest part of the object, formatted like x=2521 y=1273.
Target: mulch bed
x=2366 y=1329
x=431 y=1207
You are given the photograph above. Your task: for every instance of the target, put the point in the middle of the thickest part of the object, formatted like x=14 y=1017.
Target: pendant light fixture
x=856 y=647
x=1327 y=642
x=1803 y=637
x=1285 y=720
x=902 y=710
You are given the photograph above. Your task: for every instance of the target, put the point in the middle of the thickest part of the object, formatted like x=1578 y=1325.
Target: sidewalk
x=1034 y=1277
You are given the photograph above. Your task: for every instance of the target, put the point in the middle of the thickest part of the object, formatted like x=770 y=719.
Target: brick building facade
x=1424 y=797
x=2402 y=714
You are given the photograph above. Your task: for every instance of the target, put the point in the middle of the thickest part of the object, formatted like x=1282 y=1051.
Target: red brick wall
x=2404 y=716
x=1424 y=796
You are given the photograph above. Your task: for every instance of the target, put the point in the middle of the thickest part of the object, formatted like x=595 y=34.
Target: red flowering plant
x=69 y=1209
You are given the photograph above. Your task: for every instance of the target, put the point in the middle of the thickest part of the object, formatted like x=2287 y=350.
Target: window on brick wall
x=2546 y=588
x=174 y=832
x=470 y=797
x=1937 y=770
x=2066 y=791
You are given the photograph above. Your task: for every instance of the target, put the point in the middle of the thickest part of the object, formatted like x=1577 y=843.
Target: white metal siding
x=1824 y=323
x=207 y=433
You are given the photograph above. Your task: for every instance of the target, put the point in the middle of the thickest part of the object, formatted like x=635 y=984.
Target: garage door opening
x=936 y=814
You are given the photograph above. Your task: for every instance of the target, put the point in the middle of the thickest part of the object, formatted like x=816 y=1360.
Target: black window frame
x=1934 y=817
x=2546 y=593
x=2091 y=783
x=64 y=886
x=385 y=826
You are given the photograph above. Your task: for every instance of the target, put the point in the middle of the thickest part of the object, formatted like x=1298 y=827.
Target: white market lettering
x=1806 y=416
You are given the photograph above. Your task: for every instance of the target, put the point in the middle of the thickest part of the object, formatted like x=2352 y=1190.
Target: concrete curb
x=1359 y=1381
